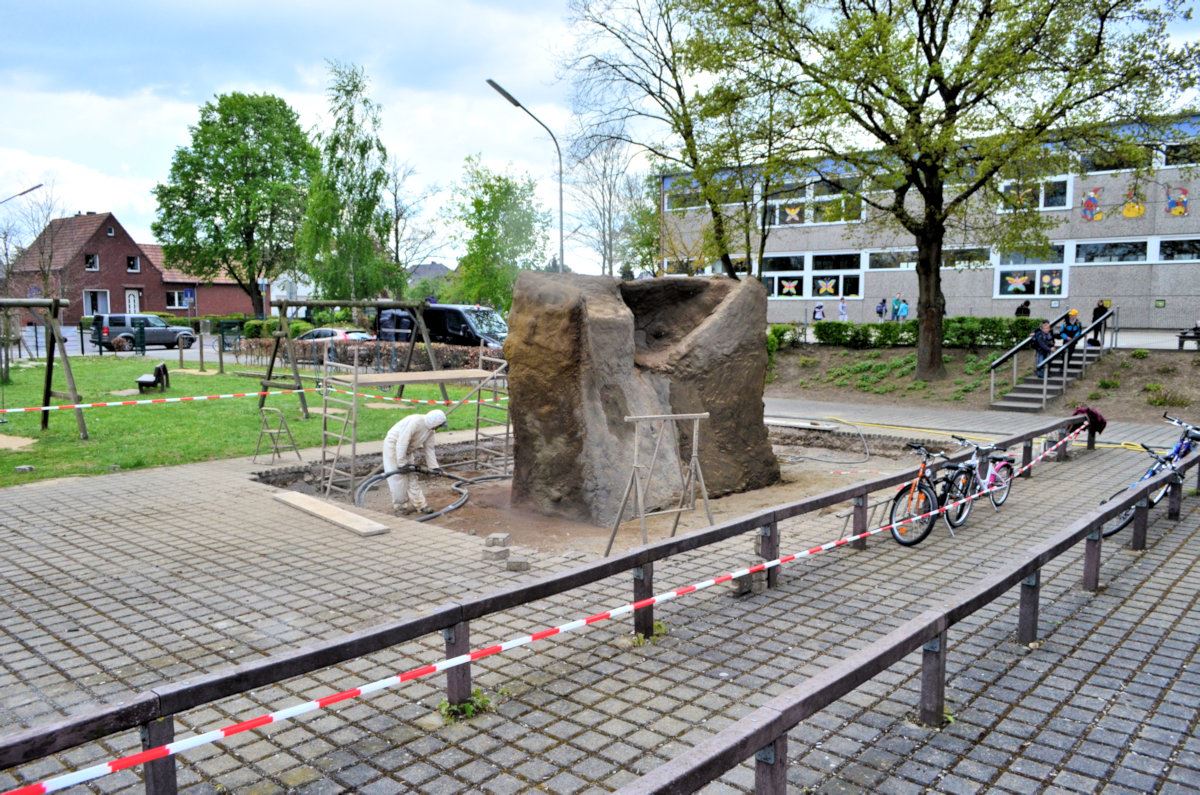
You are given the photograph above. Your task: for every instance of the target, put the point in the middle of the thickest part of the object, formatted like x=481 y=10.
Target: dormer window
x=112 y=232
x=91 y=262
x=133 y=264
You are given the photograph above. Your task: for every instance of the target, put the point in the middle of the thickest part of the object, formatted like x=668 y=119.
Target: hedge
x=957 y=332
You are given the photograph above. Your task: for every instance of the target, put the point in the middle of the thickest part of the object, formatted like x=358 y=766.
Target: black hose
x=459 y=485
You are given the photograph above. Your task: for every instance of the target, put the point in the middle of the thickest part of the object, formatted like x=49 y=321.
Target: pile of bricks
x=497 y=547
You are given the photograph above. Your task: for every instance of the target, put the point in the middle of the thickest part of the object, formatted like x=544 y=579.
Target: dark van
x=451 y=324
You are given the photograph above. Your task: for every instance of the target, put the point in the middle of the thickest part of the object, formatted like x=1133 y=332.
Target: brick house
x=91 y=260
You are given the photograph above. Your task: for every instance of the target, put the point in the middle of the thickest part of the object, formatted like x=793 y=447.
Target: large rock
x=584 y=352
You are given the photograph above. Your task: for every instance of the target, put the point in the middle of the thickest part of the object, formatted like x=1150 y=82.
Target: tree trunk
x=256 y=298
x=931 y=304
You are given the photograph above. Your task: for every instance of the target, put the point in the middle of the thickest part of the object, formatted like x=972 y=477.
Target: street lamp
x=22 y=193
x=513 y=100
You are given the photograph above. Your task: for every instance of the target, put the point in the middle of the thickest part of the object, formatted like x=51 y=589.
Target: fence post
x=767 y=548
x=221 y=354
x=933 y=681
x=643 y=588
x=1175 y=497
x=1027 y=459
x=770 y=768
x=1091 y=561
x=1027 y=621
x=1061 y=453
x=200 y=346
x=860 y=521
x=1141 y=515
x=458 y=678
x=159 y=775
x=1091 y=443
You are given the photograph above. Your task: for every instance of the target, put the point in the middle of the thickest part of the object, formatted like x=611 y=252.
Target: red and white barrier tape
x=266 y=393
x=170 y=749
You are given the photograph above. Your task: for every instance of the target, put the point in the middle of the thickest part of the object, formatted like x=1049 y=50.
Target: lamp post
x=500 y=90
x=22 y=193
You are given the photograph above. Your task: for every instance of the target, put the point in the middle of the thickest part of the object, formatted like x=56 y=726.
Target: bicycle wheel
x=1002 y=485
x=1157 y=495
x=1121 y=520
x=958 y=486
x=913 y=514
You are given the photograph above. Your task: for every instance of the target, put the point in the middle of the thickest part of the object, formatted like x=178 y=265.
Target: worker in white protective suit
x=403 y=443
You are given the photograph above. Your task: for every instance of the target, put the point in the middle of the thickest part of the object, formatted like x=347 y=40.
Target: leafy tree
x=503 y=230
x=234 y=199
x=343 y=241
x=640 y=247
x=920 y=109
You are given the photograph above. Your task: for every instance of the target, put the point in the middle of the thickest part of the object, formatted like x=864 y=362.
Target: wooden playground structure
x=47 y=310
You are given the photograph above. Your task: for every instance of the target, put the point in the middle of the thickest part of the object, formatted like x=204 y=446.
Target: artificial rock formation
x=584 y=352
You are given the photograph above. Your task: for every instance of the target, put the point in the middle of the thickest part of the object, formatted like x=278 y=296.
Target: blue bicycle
x=1183 y=446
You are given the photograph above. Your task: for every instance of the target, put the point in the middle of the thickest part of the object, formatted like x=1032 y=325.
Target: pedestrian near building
x=1023 y=310
x=881 y=308
x=1098 y=311
x=843 y=311
x=896 y=307
x=1071 y=327
x=818 y=312
x=409 y=438
x=1043 y=346
x=903 y=311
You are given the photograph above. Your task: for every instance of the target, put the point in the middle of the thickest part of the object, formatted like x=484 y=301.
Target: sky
x=95 y=98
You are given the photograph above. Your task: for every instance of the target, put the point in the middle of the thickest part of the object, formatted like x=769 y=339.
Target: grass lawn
x=131 y=437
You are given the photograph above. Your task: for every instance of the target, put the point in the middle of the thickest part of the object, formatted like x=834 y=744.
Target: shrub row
x=388 y=356
x=957 y=332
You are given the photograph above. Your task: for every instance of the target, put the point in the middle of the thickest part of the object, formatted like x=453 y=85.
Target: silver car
x=119 y=332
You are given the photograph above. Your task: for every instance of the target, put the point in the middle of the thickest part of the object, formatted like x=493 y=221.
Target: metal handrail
x=1016 y=348
x=763 y=733
x=1064 y=352
x=150 y=709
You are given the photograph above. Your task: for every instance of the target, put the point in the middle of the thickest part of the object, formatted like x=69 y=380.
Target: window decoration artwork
x=1134 y=207
x=789 y=286
x=1091 y=206
x=827 y=286
x=1177 y=201
x=1016 y=283
x=1051 y=283
x=793 y=215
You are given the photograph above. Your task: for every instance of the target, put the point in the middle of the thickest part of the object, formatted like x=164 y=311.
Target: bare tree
x=600 y=182
x=410 y=242
x=36 y=216
x=634 y=85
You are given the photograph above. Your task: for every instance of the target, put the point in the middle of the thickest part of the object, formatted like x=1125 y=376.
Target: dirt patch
x=811 y=462
x=15 y=442
x=825 y=373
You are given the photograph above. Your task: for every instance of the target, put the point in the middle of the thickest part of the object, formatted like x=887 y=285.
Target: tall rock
x=584 y=352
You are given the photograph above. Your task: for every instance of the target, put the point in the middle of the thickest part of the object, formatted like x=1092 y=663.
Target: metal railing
x=1011 y=355
x=763 y=733
x=152 y=711
x=1063 y=355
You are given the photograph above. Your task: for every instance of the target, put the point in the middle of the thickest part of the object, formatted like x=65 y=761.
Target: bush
x=298 y=327
x=831 y=332
x=252 y=329
x=1140 y=353
x=957 y=332
x=858 y=336
x=1095 y=395
x=1152 y=387
x=1170 y=399
x=1109 y=383
x=269 y=327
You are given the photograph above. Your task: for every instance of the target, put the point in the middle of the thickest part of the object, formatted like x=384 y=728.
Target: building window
x=835 y=285
x=1052 y=194
x=886 y=260
x=91 y=262
x=1182 y=154
x=783 y=263
x=1055 y=257
x=789 y=287
x=1126 y=251
x=95 y=302
x=1024 y=276
x=111 y=232
x=1127 y=158
x=175 y=300
x=817 y=203
x=1174 y=250
x=966 y=257
x=836 y=262
x=133 y=264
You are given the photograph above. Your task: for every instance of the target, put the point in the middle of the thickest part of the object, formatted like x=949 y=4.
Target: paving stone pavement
x=114 y=584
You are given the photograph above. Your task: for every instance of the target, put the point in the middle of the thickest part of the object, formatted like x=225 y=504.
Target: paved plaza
x=118 y=583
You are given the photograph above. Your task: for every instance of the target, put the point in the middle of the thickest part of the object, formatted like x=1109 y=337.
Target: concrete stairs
x=1027 y=395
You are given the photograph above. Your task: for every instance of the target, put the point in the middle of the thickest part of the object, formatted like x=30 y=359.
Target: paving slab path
x=117 y=583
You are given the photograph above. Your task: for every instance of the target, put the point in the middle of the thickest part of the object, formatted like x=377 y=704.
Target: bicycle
x=917 y=504
x=970 y=477
x=1183 y=446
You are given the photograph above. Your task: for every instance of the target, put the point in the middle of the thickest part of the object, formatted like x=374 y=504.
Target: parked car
x=119 y=332
x=452 y=324
x=336 y=335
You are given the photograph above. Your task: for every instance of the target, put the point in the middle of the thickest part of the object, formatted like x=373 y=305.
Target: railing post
x=1060 y=454
x=1091 y=561
x=860 y=521
x=643 y=588
x=1091 y=443
x=1027 y=620
x=933 y=681
x=159 y=775
x=770 y=768
x=1175 y=497
x=992 y=373
x=767 y=548
x=1141 y=516
x=1027 y=459
x=458 y=678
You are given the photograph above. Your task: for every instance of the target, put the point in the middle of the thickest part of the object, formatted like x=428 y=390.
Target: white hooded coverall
x=401 y=446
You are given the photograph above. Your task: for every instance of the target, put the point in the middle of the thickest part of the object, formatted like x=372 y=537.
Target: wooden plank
x=332 y=514
x=420 y=377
